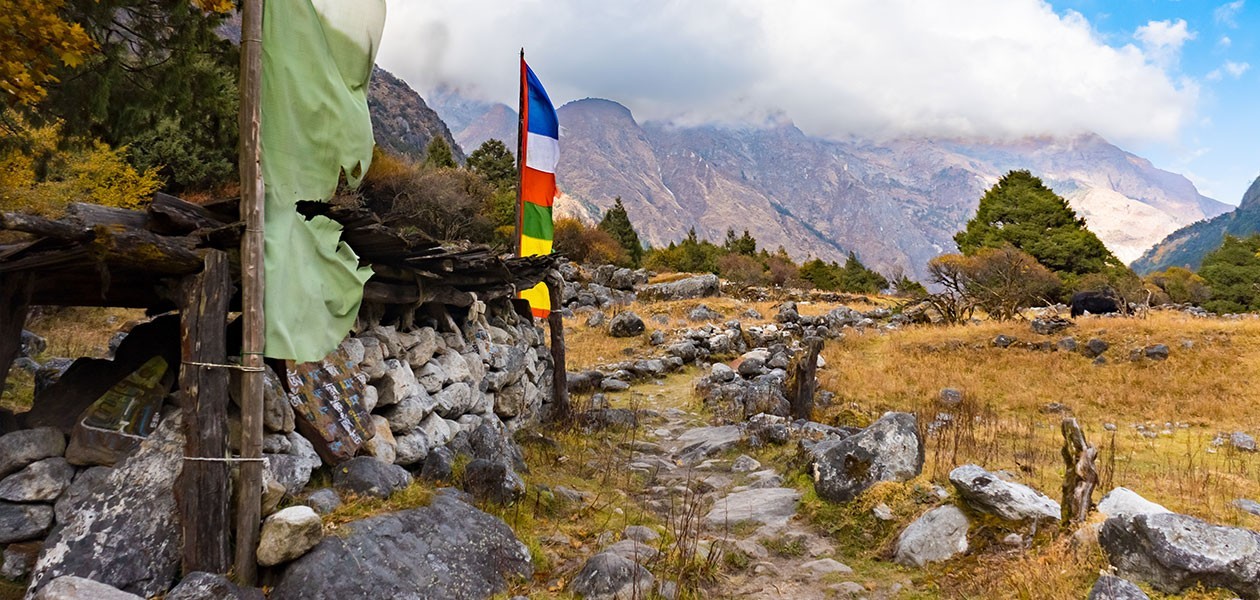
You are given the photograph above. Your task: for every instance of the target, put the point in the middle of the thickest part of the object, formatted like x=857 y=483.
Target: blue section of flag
x=542 y=115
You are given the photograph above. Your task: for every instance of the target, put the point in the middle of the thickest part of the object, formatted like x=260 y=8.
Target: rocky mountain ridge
x=1187 y=246
x=896 y=203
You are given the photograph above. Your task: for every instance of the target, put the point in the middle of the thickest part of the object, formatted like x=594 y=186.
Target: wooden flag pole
x=521 y=107
x=249 y=496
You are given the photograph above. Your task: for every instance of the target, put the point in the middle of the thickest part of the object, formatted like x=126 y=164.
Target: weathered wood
x=202 y=488
x=1080 y=475
x=172 y=216
x=804 y=380
x=249 y=506
x=143 y=249
x=15 y=296
x=37 y=225
x=96 y=215
x=560 y=408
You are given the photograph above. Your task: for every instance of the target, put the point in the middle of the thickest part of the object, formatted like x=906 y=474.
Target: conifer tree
x=493 y=161
x=617 y=224
x=439 y=155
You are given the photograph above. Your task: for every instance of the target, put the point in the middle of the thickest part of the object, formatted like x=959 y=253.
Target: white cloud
x=1225 y=42
x=1234 y=70
x=837 y=67
x=1226 y=14
x=1163 y=40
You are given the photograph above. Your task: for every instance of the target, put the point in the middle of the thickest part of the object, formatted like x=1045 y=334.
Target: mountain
x=897 y=204
x=1187 y=246
x=474 y=121
x=401 y=121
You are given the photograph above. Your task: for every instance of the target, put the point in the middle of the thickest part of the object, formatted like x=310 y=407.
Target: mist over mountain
x=895 y=203
x=1187 y=246
x=401 y=120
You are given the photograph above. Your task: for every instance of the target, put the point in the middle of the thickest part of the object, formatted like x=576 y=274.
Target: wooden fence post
x=1080 y=475
x=804 y=379
x=15 y=296
x=560 y=409
x=202 y=488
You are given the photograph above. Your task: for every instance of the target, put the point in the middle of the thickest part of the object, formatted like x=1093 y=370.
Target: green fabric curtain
x=317 y=59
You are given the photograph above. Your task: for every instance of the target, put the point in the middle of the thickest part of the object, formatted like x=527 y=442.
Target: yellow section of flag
x=539 y=300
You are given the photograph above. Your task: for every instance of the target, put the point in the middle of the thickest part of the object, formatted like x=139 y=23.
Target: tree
x=1020 y=210
x=822 y=275
x=1181 y=285
x=438 y=154
x=35 y=42
x=1233 y=273
x=744 y=244
x=163 y=83
x=857 y=279
x=493 y=161
x=587 y=245
x=616 y=223
x=1000 y=281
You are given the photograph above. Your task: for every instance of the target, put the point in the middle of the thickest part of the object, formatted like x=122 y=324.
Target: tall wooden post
x=1080 y=476
x=202 y=489
x=522 y=107
x=804 y=380
x=15 y=295
x=560 y=409
x=249 y=498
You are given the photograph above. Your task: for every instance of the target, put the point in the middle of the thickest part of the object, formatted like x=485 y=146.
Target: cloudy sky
x=1175 y=81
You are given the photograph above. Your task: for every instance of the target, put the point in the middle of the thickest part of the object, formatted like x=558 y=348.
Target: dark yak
x=1096 y=303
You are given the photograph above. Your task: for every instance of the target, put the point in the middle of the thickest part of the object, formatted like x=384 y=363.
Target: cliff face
x=896 y=203
x=1187 y=246
x=401 y=121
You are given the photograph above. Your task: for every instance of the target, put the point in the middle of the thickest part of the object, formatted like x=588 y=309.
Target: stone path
x=741 y=507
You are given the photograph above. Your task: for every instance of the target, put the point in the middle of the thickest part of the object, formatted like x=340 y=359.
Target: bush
x=1180 y=285
x=587 y=245
x=1233 y=273
x=999 y=281
x=443 y=202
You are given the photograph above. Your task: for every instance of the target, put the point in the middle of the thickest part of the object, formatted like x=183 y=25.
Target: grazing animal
x=1095 y=303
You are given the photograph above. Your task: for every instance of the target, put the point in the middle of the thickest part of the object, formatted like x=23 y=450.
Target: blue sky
x=1219 y=149
x=1177 y=82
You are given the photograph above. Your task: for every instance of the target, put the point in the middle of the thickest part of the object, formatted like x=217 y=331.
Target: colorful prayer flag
x=540 y=151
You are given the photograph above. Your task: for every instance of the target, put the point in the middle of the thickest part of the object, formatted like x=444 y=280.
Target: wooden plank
x=95 y=215
x=201 y=491
x=169 y=215
x=36 y=225
x=143 y=249
x=15 y=296
x=561 y=411
x=1080 y=476
x=249 y=506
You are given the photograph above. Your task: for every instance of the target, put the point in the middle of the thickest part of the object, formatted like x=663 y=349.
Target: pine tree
x=493 y=161
x=1022 y=211
x=857 y=278
x=1233 y=273
x=438 y=154
x=617 y=224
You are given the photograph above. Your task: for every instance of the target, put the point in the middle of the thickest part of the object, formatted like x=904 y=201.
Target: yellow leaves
x=218 y=6
x=33 y=40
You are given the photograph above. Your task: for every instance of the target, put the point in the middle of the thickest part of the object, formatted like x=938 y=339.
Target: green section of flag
x=315 y=124
x=536 y=221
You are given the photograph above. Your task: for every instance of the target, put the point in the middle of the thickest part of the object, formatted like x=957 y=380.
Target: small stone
x=745 y=464
x=640 y=533
x=610 y=576
x=21 y=522
x=625 y=324
x=951 y=397
x=41 y=481
x=826 y=566
x=1110 y=587
x=19 y=559
x=289 y=534
x=1243 y=442
x=940 y=534
x=1094 y=348
x=368 y=476
x=324 y=500
x=1013 y=540
x=882 y=512
x=70 y=587
x=1003 y=341
x=21 y=448
x=200 y=585
x=1156 y=352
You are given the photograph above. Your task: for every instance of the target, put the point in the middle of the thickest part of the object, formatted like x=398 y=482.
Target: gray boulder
x=700 y=286
x=493 y=481
x=625 y=324
x=1124 y=502
x=41 y=481
x=1176 y=552
x=21 y=522
x=1110 y=587
x=1008 y=500
x=78 y=588
x=408 y=412
x=211 y=586
x=610 y=576
x=445 y=551
x=288 y=534
x=701 y=442
x=940 y=534
x=888 y=450
x=127 y=533
x=21 y=448
x=768 y=506
x=323 y=500
x=1242 y=441
x=367 y=476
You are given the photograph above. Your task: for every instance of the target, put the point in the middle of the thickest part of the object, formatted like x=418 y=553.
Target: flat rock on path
x=768 y=506
x=448 y=550
x=696 y=444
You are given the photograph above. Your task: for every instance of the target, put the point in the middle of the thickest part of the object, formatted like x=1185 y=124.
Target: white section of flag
x=542 y=152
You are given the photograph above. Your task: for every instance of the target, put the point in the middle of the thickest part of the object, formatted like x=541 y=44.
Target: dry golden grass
x=73 y=332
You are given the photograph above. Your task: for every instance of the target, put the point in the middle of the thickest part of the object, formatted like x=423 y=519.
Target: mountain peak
x=598 y=107
x=1252 y=195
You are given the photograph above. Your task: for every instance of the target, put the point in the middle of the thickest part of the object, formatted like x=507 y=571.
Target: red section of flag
x=538 y=187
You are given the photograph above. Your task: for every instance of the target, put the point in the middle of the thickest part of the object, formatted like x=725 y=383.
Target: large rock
x=625 y=324
x=1110 y=587
x=1176 y=552
x=21 y=448
x=610 y=576
x=21 y=522
x=445 y=551
x=367 y=476
x=1008 y=500
x=127 y=533
x=888 y=450
x=78 y=588
x=692 y=287
x=1124 y=502
x=211 y=586
x=768 y=506
x=289 y=534
x=41 y=481
x=940 y=534
x=700 y=442
x=408 y=412
x=382 y=445
x=493 y=481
